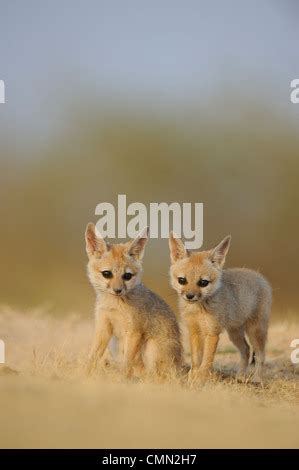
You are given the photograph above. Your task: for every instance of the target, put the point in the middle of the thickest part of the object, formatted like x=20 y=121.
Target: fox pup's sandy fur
x=212 y=298
x=126 y=309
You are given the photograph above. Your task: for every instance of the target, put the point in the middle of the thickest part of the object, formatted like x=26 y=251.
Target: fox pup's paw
x=128 y=371
x=257 y=379
x=198 y=375
x=93 y=365
x=89 y=369
x=241 y=375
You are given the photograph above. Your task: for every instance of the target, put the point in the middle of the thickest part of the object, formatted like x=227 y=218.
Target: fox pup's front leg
x=203 y=349
x=196 y=340
x=210 y=346
x=102 y=335
x=132 y=348
x=204 y=337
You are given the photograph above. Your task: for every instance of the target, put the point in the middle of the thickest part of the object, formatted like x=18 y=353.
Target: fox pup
x=142 y=322
x=212 y=298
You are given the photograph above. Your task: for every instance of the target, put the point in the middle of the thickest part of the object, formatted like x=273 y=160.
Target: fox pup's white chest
x=120 y=315
x=197 y=314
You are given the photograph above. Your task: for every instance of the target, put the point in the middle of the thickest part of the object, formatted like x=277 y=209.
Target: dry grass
x=47 y=401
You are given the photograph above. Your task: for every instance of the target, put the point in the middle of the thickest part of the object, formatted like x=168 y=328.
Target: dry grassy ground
x=47 y=401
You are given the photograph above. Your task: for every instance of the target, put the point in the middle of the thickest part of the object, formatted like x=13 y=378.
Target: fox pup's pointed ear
x=218 y=254
x=95 y=245
x=177 y=248
x=137 y=246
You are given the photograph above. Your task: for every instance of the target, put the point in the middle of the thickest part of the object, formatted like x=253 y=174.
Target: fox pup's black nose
x=190 y=296
x=117 y=291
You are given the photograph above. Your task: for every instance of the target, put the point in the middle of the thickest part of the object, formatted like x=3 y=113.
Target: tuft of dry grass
x=47 y=400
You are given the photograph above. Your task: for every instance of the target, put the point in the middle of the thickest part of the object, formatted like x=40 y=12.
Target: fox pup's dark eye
x=107 y=274
x=182 y=280
x=127 y=276
x=203 y=283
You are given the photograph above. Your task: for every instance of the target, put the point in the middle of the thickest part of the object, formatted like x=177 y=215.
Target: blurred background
x=161 y=101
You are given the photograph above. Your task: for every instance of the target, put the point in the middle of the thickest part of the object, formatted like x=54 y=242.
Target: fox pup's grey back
x=213 y=298
x=144 y=324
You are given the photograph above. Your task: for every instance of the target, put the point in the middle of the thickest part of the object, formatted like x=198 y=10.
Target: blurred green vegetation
x=241 y=161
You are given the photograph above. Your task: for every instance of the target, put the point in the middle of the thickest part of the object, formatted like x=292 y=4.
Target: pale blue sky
x=165 y=51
